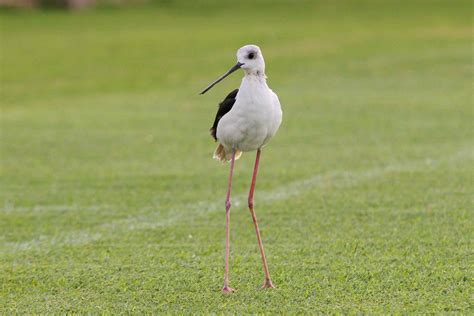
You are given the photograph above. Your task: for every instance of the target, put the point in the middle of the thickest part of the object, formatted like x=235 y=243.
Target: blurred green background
x=112 y=203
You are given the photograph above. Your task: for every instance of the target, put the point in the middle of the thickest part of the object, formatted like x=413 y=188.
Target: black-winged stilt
x=246 y=120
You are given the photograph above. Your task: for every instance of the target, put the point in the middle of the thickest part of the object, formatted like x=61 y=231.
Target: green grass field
x=111 y=203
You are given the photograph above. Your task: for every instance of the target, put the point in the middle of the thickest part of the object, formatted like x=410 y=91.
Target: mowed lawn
x=111 y=202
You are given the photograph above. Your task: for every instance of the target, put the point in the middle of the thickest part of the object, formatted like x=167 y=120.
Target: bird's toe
x=268 y=285
x=227 y=290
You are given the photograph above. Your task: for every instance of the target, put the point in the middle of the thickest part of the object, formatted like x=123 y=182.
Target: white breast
x=254 y=118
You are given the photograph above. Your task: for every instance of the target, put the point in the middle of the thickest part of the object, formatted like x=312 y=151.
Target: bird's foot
x=227 y=290
x=268 y=285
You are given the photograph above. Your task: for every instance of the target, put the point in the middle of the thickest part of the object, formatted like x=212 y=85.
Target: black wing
x=224 y=107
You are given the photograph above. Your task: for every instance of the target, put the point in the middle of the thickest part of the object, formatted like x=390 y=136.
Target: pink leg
x=268 y=281
x=226 y=288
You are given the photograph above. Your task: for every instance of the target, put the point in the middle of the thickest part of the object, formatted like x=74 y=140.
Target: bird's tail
x=221 y=155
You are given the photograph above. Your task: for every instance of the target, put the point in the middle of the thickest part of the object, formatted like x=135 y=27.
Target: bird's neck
x=253 y=87
x=255 y=75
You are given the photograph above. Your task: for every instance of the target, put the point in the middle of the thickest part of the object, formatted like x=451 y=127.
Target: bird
x=246 y=120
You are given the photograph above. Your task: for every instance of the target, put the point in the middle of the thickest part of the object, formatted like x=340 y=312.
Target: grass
x=111 y=202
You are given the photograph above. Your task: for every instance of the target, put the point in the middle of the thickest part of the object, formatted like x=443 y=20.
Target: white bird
x=246 y=120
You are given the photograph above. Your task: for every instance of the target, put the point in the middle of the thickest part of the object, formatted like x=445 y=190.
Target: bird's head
x=249 y=58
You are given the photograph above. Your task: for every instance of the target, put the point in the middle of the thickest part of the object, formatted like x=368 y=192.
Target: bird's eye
x=251 y=55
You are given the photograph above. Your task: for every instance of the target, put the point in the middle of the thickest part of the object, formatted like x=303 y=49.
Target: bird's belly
x=246 y=130
x=252 y=136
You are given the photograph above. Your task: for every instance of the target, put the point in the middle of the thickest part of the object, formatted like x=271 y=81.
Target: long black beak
x=231 y=70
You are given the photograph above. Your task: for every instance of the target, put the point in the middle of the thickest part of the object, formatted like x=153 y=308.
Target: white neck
x=253 y=84
x=255 y=74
